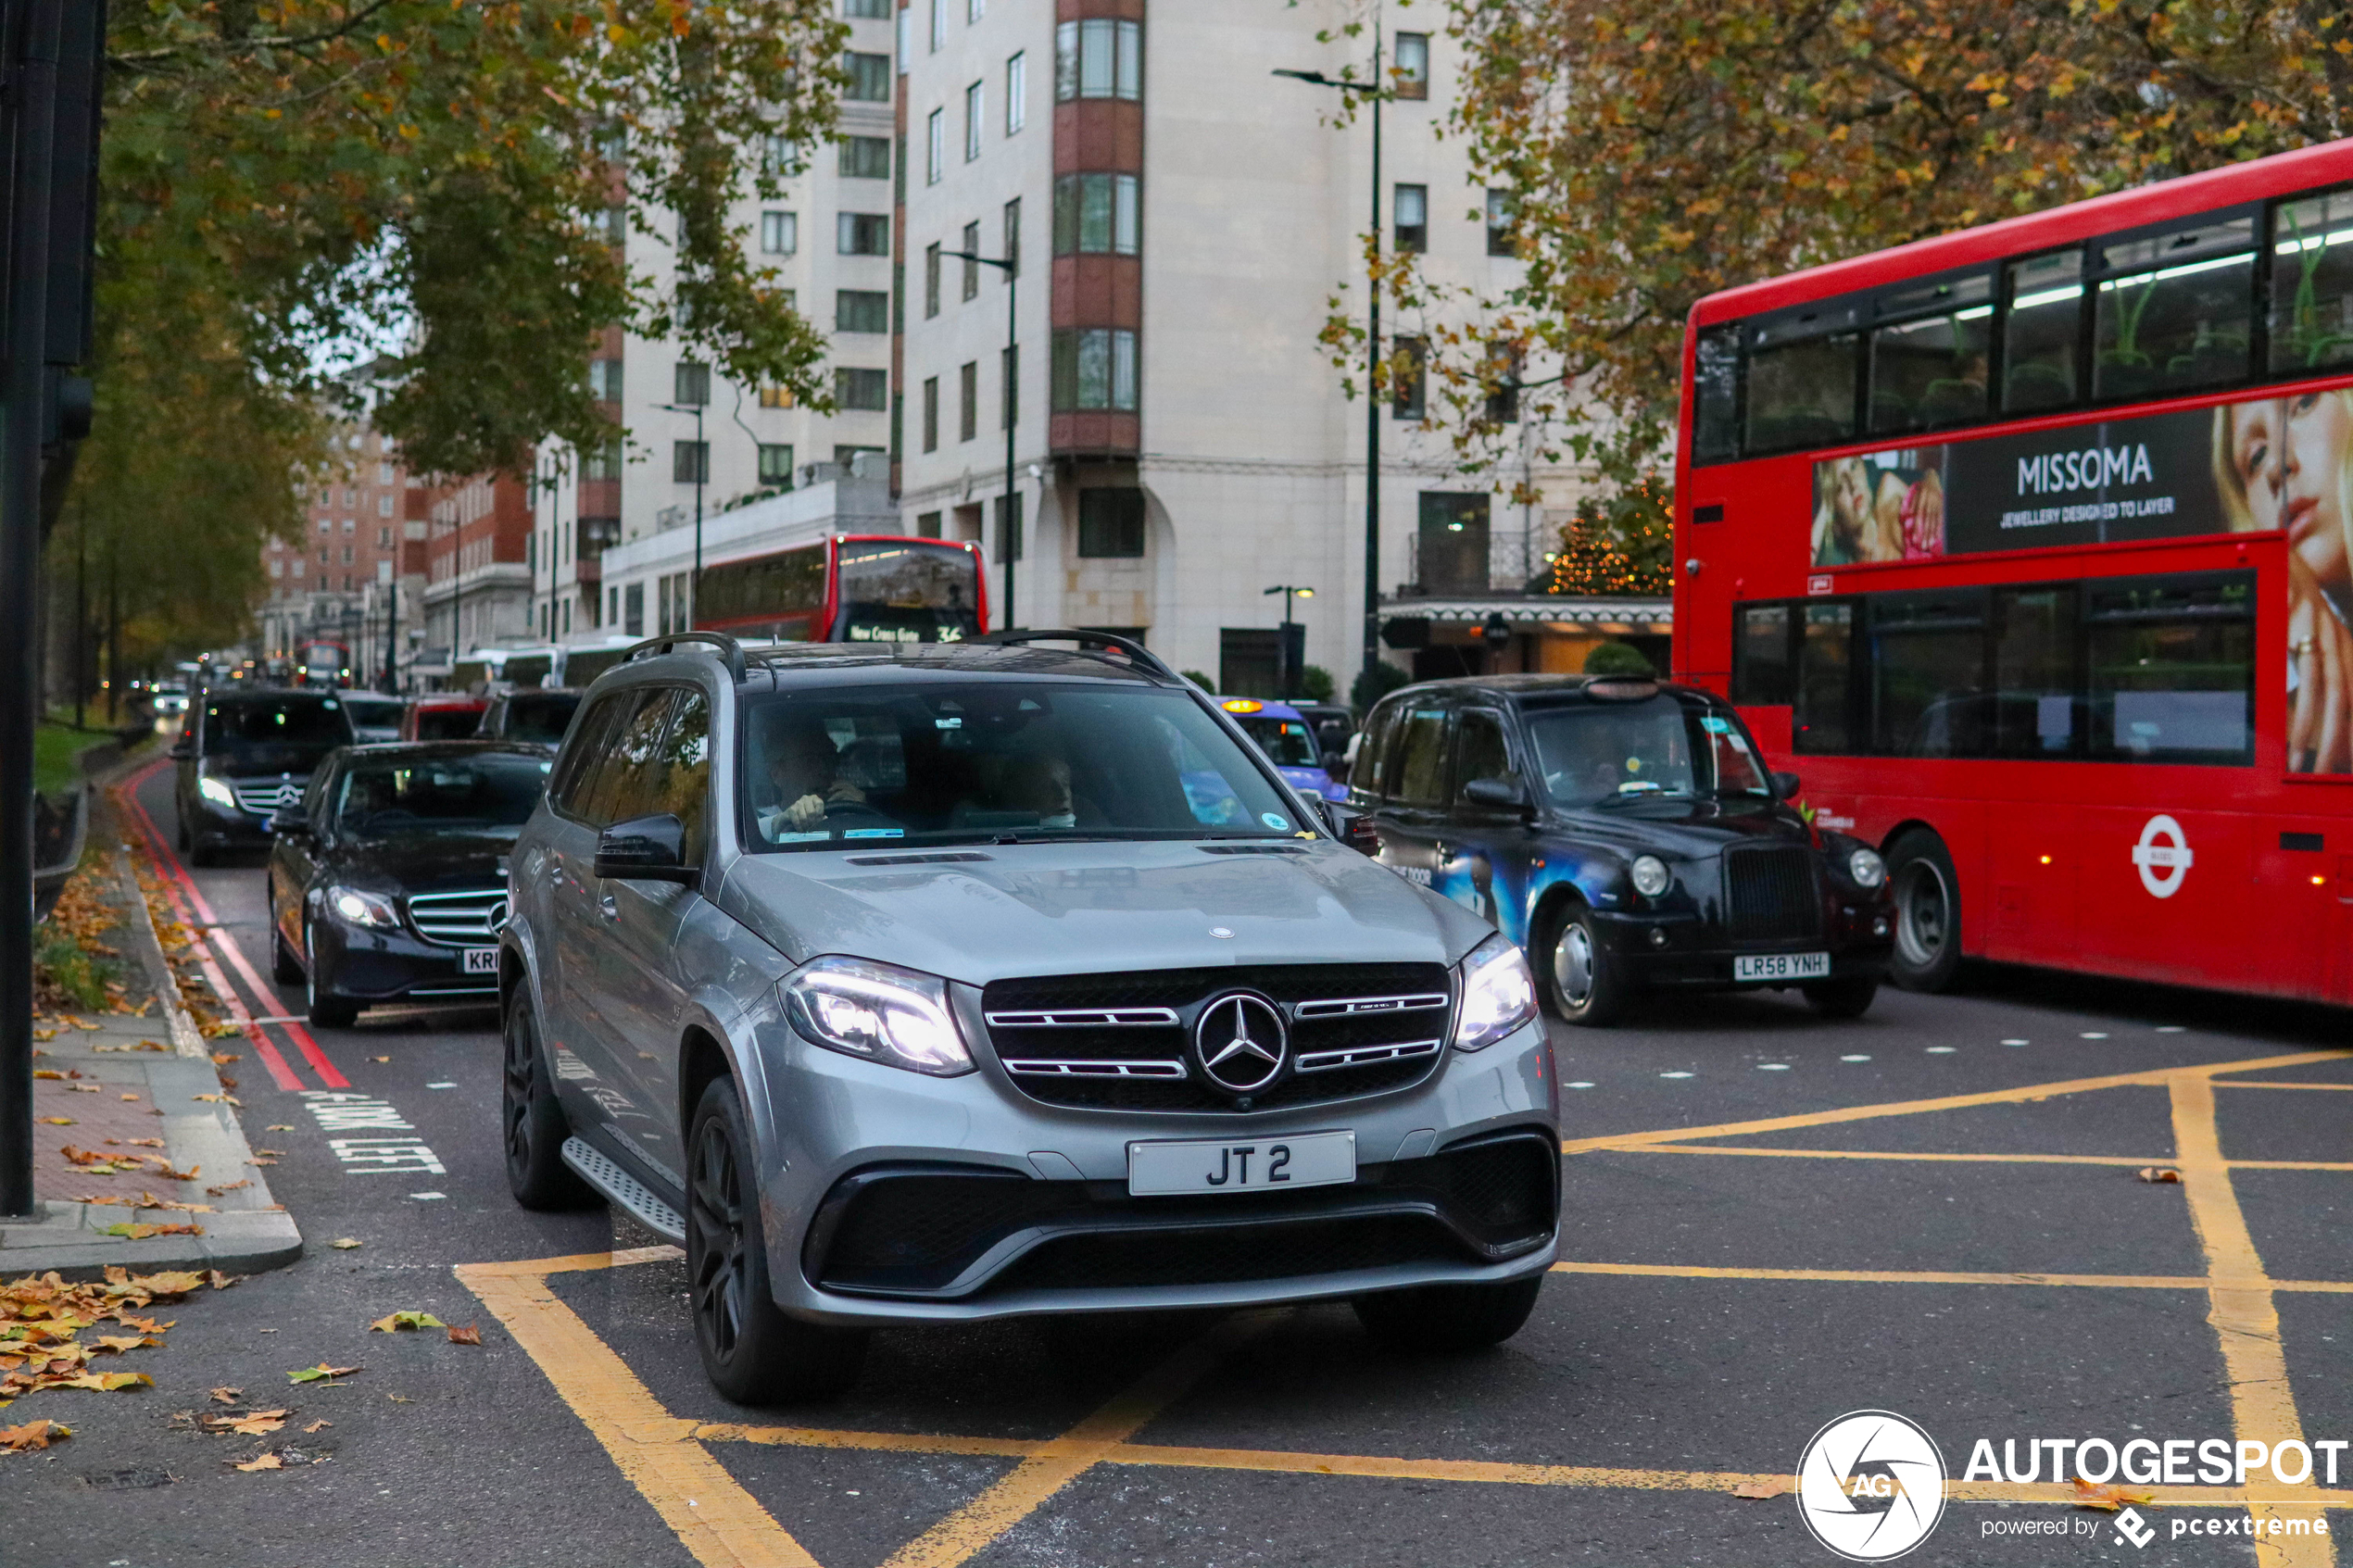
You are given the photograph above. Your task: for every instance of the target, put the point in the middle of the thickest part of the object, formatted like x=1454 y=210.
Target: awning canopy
x=1537 y=612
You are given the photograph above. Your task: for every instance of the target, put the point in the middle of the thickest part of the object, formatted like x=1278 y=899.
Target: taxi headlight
x=1650 y=875
x=1867 y=868
x=1498 y=994
x=879 y=1011
x=217 y=791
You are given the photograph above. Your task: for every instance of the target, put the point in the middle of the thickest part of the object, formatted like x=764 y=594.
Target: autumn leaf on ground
x=315 y=1426
x=163 y=1168
x=223 y=1059
x=228 y=1186
x=220 y=1280
x=107 y=1382
x=392 y=1322
x=85 y=1088
x=144 y=1143
x=1777 y=1487
x=59 y=1121
x=222 y=1099
x=260 y=1424
x=178 y=1282
x=279 y=1127
x=379 y=1058
x=46 y=1072
x=228 y=1396
x=469 y=1335
x=261 y=1461
x=342 y=1243
x=31 y=1435
x=2159 y=1173
x=119 y=1343
x=2107 y=1498
x=140 y=1232
x=322 y=1372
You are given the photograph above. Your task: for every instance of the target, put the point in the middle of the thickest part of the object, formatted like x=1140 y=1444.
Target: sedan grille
x=1771 y=895
x=1123 y=1042
x=266 y=796
x=459 y=920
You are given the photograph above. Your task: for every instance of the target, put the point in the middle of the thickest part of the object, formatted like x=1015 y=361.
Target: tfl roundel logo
x=1870 y=1486
x=2162 y=856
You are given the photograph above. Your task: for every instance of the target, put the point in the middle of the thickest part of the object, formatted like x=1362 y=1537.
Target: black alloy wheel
x=1847 y=998
x=1927 y=912
x=325 y=1009
x=532 y=1121
x=753 y=1353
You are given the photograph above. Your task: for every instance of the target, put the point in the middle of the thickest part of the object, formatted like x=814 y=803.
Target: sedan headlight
x=1650 y=875
x=359 y=907
x=879 y=1011
x=1867 y=868
x=217 y=791
x=1498 y=994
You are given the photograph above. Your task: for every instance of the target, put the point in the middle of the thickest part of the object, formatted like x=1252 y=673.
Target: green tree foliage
x=1617 y=658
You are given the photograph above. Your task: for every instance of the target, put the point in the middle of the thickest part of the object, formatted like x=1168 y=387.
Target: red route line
x=278 y=1070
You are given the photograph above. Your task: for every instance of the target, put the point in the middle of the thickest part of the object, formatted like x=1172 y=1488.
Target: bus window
x=1715 y=401
x=2035 y=672
x=1822 y=721
x=908 y=592
x=2181 y=323
x=2172 y=668
x=2312 y=282
x=1801 y=394
x=1761 y=673
x=2038 y=347
x=1928 y=674
x=1929 y=373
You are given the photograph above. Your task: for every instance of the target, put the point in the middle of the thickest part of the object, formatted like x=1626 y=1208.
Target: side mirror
x=1503 y=795
x=182 y=750
x=1351 y=826
x=291 y=821
x=1785 y=786
x=645 y=849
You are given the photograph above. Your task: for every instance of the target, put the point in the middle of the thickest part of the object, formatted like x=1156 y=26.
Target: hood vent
x=1252 y=849
x=943 y=859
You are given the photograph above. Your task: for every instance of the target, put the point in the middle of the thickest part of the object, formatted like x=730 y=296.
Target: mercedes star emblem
x=1241 y=1041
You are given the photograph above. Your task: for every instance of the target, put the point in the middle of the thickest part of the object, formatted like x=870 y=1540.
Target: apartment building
x=478 y=580
x=1177 y=218
x=358 y=570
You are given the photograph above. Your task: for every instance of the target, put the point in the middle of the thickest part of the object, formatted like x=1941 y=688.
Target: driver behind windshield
x=804 y=769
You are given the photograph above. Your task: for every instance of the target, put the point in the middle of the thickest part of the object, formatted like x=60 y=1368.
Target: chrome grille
x=1771 y=895
x=471 y=919
x=263 y=797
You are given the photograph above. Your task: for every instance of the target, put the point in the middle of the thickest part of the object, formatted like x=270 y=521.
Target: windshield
x=1003 y=762
x=1286 y=741
x=1595 y=752
x=541 y=717
x=904 y=591
x=439 y=795
x=374 y=712
x=448 y=723
x=288 y=735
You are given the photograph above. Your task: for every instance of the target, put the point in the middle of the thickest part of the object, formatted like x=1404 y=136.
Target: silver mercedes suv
x=921 y=983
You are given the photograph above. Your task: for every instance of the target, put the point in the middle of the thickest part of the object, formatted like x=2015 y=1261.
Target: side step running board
x=624 y=1190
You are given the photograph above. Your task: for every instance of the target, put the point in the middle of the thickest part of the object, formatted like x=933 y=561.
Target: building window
x=604 y=380
x=1096 y=215
x=1502 y=224
x=278 y=568
x=779 y=233
x=931 y=413
x=906 y=35
x=1099 y=59
x=1410 y=214
x=862 y=311
x=1009 y=386
x=968 y=410
x=775 y=465
x=1016 y=93
x=690 y=462
x=865 y=157
x=1094 y=368
x=866 y=10
x=866 y=391
x=779 y=156
x=690 y=383
x=972 y=110
x=931 y=279
x=971 y=269
x=862 y=233
x=938 y=25
x=775 y=397
x=869 y=78
x=1409 y=379
x=1110 y=522
x=603 y=463
x=633 y=612
x=928 y=526
x=384 y=506
x=346 y=555
x=975 y=9
x=934 y=146
x=1011 y=251
x=1503 y=377
x=1410 y=73
x=383 y=538
x=351 y=525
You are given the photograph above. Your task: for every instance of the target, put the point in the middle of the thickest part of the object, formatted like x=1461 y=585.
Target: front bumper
x=903 y=1198
x=1667 y=950
x=216 y=826
x=362 y=964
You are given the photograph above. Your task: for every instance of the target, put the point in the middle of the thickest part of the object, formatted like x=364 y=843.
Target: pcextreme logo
x=1870 y=1486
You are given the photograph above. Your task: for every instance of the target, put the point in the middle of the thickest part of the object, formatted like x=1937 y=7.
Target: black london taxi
x=1624 y=833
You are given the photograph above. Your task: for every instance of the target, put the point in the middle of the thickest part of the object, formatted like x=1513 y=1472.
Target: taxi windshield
x=1593 y=753
x=1286 y=741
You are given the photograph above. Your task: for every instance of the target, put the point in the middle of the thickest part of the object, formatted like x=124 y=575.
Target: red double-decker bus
x=851 y=588
x=2026 y=548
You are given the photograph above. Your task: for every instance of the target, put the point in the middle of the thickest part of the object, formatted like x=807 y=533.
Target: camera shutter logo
x=2162 y=856
x=1240 y=1042
x=1870 y=1486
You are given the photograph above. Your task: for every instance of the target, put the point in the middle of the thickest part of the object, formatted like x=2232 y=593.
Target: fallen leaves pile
x=2159 y=1173
x=41 y=1343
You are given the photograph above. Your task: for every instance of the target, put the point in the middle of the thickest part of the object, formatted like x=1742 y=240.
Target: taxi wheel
x=532 y=1121
x=324 y=1010
x=752 y=1352
x=1449 y=1317
x=1927 y=912
x=1584 y=983
x=1850 y=997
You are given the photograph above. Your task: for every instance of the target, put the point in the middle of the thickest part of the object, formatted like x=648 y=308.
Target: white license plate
x=478 y=961
x=1308 y=1160
x=1781 y=966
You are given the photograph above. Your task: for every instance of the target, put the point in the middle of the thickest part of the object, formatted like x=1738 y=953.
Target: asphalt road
x=1716 y=1311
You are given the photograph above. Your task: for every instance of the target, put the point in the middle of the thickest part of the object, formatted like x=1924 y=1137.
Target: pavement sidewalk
x=139 y=1159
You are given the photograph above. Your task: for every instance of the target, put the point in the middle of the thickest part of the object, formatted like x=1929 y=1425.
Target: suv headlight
x=1498 y=994
x=1650 y=875
x=1867 y=868
x=217 y=791
x=879 y=1011
x=358 y=907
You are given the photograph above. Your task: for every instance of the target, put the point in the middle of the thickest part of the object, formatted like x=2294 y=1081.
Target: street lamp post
x=702 y=473
x=1013 y=374
x=1288 y=677
x=1372 y=90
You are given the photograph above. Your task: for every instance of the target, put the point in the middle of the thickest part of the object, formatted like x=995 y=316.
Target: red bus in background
x=2026 y=548
x=851 y=588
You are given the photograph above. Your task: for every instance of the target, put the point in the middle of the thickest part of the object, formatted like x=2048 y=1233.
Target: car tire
x=752 y=1352
x=284 y=968
x=531 y=1120
x=1927 y=895
x=199 y=855
x=1850 y=997
x=1449 y=1318
x=325 y=1009
x=1581 y=979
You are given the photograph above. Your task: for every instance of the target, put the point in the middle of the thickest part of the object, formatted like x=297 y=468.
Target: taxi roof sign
x=1242 y=705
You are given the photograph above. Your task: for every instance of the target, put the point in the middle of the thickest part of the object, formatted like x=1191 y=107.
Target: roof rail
x=729 y=650
x=1138 y=654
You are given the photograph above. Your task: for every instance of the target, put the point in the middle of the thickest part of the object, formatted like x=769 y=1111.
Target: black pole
x=1372 y=400
x=1011 y=525
x=35 y=96
x=702 y=472
x=80 y=620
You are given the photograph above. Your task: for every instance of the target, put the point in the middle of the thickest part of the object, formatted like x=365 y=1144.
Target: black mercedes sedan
x=388 y=884
x=1624 y=833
